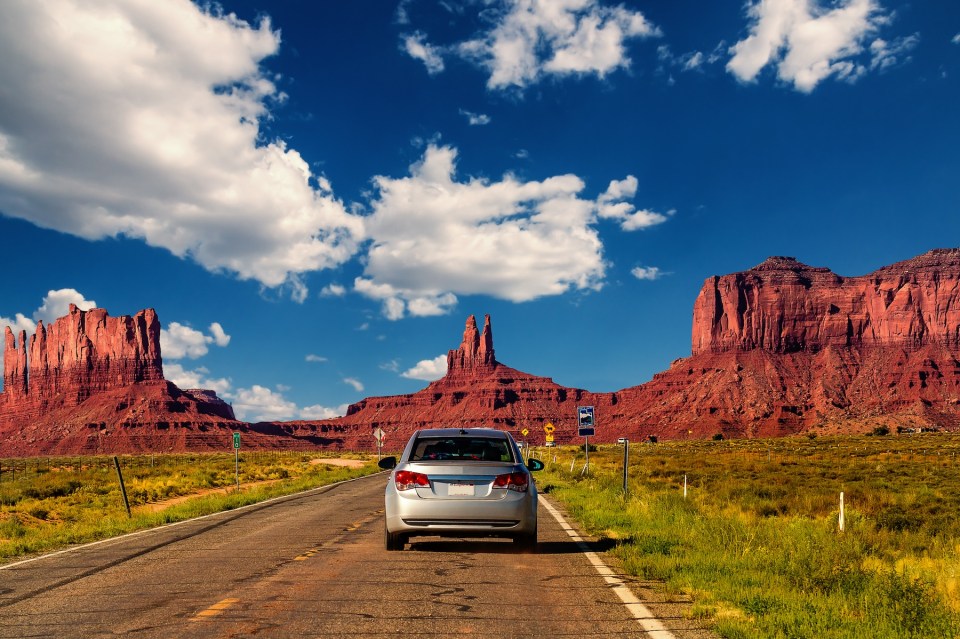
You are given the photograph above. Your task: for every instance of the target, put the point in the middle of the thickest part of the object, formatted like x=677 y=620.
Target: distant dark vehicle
x=454 y=482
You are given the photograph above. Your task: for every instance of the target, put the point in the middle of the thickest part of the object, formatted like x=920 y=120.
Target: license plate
x=460 y=490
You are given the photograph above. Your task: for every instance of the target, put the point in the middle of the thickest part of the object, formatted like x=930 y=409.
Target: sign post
x=585 y=429
x=236 y=454
x=548 y=428
x=378 y=435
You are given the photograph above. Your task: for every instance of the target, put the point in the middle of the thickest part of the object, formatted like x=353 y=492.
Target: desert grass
x=756 y=539
x=50 y=503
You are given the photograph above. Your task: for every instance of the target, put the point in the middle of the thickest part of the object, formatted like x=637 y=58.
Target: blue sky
x=315 y=195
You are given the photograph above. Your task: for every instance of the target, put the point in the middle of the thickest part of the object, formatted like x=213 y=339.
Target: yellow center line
x=214 y=610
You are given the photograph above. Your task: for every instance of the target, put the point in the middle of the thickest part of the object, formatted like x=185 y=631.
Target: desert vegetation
x=47 y=503
x=756 y=540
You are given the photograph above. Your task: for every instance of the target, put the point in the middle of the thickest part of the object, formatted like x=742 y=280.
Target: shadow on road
x=500 y=546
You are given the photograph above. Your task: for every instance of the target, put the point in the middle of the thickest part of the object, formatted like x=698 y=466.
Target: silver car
x=455 y=482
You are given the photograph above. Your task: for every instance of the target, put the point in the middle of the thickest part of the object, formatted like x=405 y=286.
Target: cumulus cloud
x=179 y=341
x=195 y=378
x=355 y=383
x=322 y=412
x=428 y=369
x=807 y=42
x=475 y=119
x=417 y=47
x=56 y=304
x=256 y=404
x=260 y=404
x=527 y=40
x=646 y=273
x=611 y=204
x=434 y=237
x=142 y=120
x=333 y=290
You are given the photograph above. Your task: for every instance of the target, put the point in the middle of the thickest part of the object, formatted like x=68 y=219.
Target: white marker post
x=841 y=512
x=378 y=435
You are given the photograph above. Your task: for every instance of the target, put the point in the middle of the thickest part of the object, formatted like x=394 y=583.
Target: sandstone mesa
x=780 y=349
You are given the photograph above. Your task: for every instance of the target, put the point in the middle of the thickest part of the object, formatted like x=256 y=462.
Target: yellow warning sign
x=549 y=428
x=549 y=437
x=525 y=432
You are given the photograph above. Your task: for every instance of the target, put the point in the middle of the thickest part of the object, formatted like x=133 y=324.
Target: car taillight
x=407 y=479
x=512 y=481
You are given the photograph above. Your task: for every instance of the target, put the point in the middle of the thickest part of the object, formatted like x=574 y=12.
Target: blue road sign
x=585 y=416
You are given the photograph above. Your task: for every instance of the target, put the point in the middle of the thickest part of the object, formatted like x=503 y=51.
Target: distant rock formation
x=783 y=306
x=779 y=349
x=89 y=382
x=81 y=354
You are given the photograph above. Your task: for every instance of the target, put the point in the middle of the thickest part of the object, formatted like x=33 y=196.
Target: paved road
x=314 y=566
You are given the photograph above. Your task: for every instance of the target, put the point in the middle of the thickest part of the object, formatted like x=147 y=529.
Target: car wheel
x=527 y=541
x=393 y=541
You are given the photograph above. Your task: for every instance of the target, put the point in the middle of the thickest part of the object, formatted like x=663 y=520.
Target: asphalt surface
x=314 y=565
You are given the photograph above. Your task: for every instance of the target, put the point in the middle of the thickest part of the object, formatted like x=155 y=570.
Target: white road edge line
x=146 y=531
x=650 y=624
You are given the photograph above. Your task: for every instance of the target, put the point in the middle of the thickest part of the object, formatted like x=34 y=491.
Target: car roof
x=460 y=432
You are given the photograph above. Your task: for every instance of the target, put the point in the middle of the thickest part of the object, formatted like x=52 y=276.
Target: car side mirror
x=387 y=463
x=534 y=464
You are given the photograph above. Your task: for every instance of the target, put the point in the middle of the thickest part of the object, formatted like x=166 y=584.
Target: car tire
x=527 y=542
x=393 y=541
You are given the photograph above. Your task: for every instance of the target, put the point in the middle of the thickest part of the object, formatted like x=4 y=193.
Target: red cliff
x=90 y=382
x=783 y=306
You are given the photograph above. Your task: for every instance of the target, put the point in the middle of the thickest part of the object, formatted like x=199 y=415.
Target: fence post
x=123 y=489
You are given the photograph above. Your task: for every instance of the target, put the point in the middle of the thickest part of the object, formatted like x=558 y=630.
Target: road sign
x=549 y=428
x=524 y=432
x=549 y=437
x=586 y=432
x=236 y=441
x=378 y=435
x=585 y=416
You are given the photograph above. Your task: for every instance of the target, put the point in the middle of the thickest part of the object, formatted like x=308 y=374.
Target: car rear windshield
x=461 y=449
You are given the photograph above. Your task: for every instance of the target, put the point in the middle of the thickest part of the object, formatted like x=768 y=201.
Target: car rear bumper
x=509 y=517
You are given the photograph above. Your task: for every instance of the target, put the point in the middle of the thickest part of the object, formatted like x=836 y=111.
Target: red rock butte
x=91 y=383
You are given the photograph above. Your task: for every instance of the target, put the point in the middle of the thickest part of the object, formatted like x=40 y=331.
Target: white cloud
x=333 y=290
x=646 y=273
x=322 y=412
x=143 y=120
x=955 y=39
x=178 y=341
x=417 y=47
x=220 y=338
x=475 y=119
x=884 y=55
x=196 y=378
x=434 y=238
x=315 y=358
x=428 y=369
x=257 y=403
x=260 y=404
x=531 y=39
x=56 y=304
x=807 y=42
x=611 y=205
x=393 y=366
x=355 y=383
